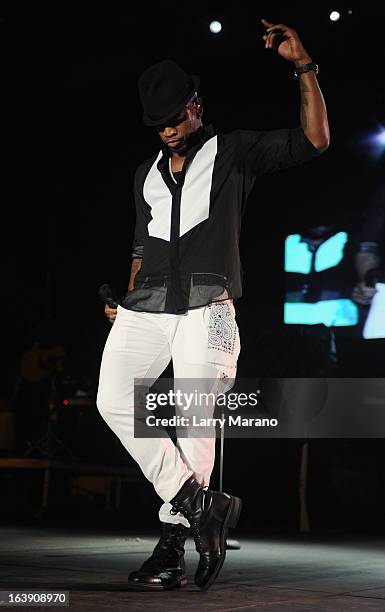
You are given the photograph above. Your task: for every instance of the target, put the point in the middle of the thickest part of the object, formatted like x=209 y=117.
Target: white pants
x=203 y=344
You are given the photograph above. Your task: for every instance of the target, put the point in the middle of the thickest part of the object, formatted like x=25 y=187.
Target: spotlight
x=215 y=27
x=379 y=139
x=374 y=143
x=334 y=16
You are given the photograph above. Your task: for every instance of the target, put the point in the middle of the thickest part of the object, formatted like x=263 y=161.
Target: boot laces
x=163 y=549
x=194 y=525
x=177 y=505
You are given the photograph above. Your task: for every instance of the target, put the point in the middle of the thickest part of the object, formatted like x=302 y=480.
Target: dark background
x=71 y=111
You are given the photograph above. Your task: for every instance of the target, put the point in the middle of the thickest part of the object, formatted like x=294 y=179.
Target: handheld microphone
x=108 y=296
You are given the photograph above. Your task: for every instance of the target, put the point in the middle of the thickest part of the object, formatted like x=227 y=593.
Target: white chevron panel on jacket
x=158 y=197
x=195 y=201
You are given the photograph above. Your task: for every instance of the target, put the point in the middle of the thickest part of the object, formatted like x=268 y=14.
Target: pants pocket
x=223 y=341
x=211 y=336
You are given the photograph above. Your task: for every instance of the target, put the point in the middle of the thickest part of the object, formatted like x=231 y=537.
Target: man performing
x=185 y=274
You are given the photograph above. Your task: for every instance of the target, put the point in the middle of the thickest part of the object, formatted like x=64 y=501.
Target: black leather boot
x=165 y=569
x=210 y=514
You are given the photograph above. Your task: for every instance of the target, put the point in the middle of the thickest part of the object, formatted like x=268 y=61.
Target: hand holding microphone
x=108 y=296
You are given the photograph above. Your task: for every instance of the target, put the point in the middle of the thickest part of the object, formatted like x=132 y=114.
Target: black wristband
x=306 y=68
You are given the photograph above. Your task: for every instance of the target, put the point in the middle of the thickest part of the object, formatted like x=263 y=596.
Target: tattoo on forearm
x=304 y=102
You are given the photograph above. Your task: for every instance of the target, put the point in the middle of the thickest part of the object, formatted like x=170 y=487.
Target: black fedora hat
x=164 y=89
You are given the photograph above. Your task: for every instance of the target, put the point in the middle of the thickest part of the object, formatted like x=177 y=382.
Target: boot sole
x=147 y=587
x=230 y=521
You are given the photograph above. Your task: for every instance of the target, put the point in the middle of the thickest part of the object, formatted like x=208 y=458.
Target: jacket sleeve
x=263 y=152
x=138 y=241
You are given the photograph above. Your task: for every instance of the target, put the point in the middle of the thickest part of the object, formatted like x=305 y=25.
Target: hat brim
x=159 y=121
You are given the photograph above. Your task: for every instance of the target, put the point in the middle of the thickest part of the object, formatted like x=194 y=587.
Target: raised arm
x=314 y=121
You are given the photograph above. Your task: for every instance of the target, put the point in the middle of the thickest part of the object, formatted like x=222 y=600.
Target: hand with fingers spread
x=291 y=49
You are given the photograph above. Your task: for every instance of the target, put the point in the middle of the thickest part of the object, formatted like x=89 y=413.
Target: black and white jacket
x=187 y=231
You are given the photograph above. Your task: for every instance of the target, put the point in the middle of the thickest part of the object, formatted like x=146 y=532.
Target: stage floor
x=296 y=573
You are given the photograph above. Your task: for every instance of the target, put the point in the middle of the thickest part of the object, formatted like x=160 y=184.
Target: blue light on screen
x=332 y=313
x=298 y=259
x=298 y=256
